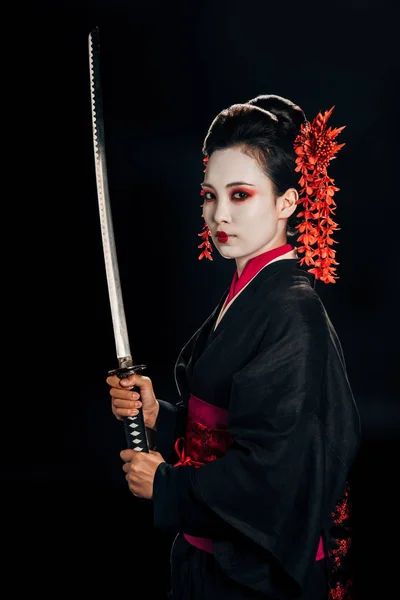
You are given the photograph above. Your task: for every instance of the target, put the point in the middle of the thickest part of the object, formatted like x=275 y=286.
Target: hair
x=264 y=128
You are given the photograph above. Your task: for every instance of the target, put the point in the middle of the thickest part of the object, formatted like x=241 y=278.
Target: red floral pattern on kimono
x=341 y=587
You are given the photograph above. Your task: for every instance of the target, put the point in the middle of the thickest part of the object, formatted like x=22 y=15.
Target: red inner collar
x=253 y=266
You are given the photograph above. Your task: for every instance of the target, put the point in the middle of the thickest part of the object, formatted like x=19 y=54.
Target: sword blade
x=107 y=230
x=135 y=430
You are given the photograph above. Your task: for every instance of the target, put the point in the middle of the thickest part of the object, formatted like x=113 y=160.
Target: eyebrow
x=228 y=185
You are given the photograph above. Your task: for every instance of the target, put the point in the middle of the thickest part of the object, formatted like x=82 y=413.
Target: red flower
x=315 y=147
x=205 y=233
x=206 y=253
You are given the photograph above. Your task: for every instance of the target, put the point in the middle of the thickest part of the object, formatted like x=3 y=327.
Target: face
x=239 y=201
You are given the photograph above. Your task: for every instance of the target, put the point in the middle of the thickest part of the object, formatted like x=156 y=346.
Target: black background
x=167 y=70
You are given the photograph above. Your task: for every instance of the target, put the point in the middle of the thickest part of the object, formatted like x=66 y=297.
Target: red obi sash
x=207 y=438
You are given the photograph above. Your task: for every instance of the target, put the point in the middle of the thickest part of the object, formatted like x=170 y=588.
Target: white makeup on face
x=239 y=200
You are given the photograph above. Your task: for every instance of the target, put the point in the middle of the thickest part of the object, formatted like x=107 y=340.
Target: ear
x=287 y=203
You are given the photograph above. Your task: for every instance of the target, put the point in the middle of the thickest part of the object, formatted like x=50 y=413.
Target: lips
x=222 y=236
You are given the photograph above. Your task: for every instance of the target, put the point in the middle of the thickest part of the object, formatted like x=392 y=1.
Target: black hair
x=264 y=128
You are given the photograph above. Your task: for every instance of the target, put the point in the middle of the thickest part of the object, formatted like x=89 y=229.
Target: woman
x=250 y=466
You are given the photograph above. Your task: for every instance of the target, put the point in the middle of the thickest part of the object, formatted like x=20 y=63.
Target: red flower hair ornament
x=315 y=147
x=205 y=232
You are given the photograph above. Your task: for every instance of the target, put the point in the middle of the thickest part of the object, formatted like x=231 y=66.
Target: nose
x=222 y=214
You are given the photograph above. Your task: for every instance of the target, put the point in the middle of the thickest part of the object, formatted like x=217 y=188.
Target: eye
x=240 y=195
x=207 y=195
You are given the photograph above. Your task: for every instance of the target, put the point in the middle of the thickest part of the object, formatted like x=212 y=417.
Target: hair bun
x=289 y=115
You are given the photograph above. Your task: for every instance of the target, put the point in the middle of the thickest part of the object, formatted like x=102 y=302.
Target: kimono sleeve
x=172 y=416
x=170 y=424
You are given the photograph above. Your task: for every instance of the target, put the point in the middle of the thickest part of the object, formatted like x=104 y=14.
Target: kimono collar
x=253 y=266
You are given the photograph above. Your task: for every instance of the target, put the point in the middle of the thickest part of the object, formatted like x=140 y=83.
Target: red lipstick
x=222 y=236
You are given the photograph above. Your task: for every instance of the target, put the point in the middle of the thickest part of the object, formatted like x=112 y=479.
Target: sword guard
x=125 y=371
x=134 y=427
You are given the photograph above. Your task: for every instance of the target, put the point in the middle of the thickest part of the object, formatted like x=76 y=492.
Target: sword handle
x=134 y=427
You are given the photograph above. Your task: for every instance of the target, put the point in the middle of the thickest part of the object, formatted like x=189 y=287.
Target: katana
x=135 y=431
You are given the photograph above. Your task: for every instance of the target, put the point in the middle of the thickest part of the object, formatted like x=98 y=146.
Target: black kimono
x=275 y=482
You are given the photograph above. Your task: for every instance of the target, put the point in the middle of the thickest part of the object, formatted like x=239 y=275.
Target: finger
x=135 y=379
x=118 y=403
x=127 y=454
x=124 y=394
x=126 y=412
x=114 y=381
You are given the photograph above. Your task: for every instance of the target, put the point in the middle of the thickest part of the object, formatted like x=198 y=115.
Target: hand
x=125 y=402
x=140 y=469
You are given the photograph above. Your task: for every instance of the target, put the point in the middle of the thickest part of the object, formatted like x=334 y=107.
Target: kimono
x=258 y=449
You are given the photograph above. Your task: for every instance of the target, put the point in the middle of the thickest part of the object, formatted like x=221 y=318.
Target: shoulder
x=290 y=300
